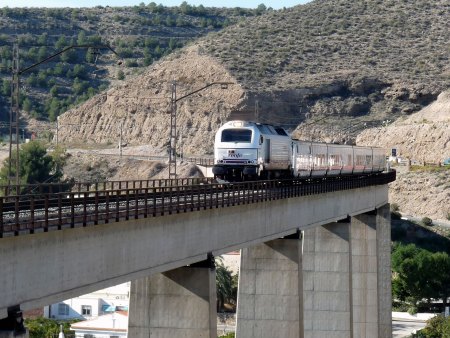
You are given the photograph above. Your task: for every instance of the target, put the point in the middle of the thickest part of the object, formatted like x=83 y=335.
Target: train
x=245 y=150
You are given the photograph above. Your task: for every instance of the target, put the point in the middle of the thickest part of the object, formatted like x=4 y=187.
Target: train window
x=280 y=131
x=236 y=135
x=263 y=129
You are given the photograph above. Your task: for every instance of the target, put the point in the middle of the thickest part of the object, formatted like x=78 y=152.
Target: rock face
x=141 y=108
x=422 y=193
x=421 y=137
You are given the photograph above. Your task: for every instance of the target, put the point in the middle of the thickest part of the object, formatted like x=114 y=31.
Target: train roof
x=264 y=128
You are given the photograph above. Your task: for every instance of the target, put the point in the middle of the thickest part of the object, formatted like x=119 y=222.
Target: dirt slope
x=424 y=136
x=141 y=107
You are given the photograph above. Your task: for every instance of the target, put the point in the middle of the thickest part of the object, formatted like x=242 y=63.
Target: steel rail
x=48 y=212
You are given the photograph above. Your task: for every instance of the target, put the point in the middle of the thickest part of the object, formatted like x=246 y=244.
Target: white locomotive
x=248 y=150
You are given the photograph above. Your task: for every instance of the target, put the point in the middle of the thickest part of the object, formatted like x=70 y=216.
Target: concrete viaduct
x=311 y=266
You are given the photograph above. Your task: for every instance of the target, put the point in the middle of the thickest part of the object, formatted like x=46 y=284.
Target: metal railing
x=29 y=214
x=79 y=187
x=207 y=162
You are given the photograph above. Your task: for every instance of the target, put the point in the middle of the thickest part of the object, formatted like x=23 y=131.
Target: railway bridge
x=315 y=256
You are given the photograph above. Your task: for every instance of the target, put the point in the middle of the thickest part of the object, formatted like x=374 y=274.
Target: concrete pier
x=269 y=300
x=383 y=220
x=327 y=281
x=371 y=274
x=364 y=275
x=13 y=325
x=176 y=303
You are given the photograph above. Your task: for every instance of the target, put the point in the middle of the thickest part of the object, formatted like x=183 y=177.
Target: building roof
x=117 y=321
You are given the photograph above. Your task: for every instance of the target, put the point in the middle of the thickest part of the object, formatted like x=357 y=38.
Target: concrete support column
x=384 y=272
x=11 y=334
x=371 y=274
x=327 y=281
x=364 y=275
x=176 y=303
x=269 y=297
x=12 y=326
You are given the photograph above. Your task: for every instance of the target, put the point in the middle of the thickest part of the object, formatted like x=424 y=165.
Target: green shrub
x=228 y=335
x=437 y=327
x=394 y=207
x=427 y=221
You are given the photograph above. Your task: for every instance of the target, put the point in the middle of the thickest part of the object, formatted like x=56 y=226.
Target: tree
x=35 y=165
x=440 y=281
x=26 y=104
x=61 y=43
x=54 y=91
x=70 y=56
x=120 y=74
x=6 y=87
x=420 y=274
x=42 y=53
x=44 y=327
x=81 y=39
x=260 y=9
x=90 y=56
x=53 y=107
x=226 y=285
x=42 y=39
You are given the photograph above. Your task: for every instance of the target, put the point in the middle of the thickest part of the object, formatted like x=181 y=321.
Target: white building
x=91 y=305
x=113 y=325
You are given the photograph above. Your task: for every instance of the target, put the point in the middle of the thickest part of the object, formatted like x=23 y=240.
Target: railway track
x=31 y=213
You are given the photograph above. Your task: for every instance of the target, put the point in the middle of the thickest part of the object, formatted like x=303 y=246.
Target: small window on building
x=113 y=336
x=86 y=310
x=88 y=336
x=63 y=309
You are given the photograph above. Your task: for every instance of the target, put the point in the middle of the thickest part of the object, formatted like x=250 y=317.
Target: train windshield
x=236 y=135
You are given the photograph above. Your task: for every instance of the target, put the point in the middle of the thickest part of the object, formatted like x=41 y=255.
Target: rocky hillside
x=141 y=108
x=421 y=137
x=139 y=35
x=335 y=66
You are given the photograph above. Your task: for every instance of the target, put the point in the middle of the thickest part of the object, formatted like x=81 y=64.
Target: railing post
x=85 y=208
x=154 y=199
x=106 y=206
x=1 y=217
x=163 y=197
x=146 y=202
x=118 y=193
x=127 y=203
x=170 y=199
x=72 y=210
x=96 y=208
x=59 y=211
x=16 y=214
x=32 y=213
x=136 y=201
x=46 y=213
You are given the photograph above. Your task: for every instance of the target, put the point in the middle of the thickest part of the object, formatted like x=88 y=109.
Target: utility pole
x=14 y=117
x=120 y=139
x=173 y=122
x=173 y=133
x=181 y=144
